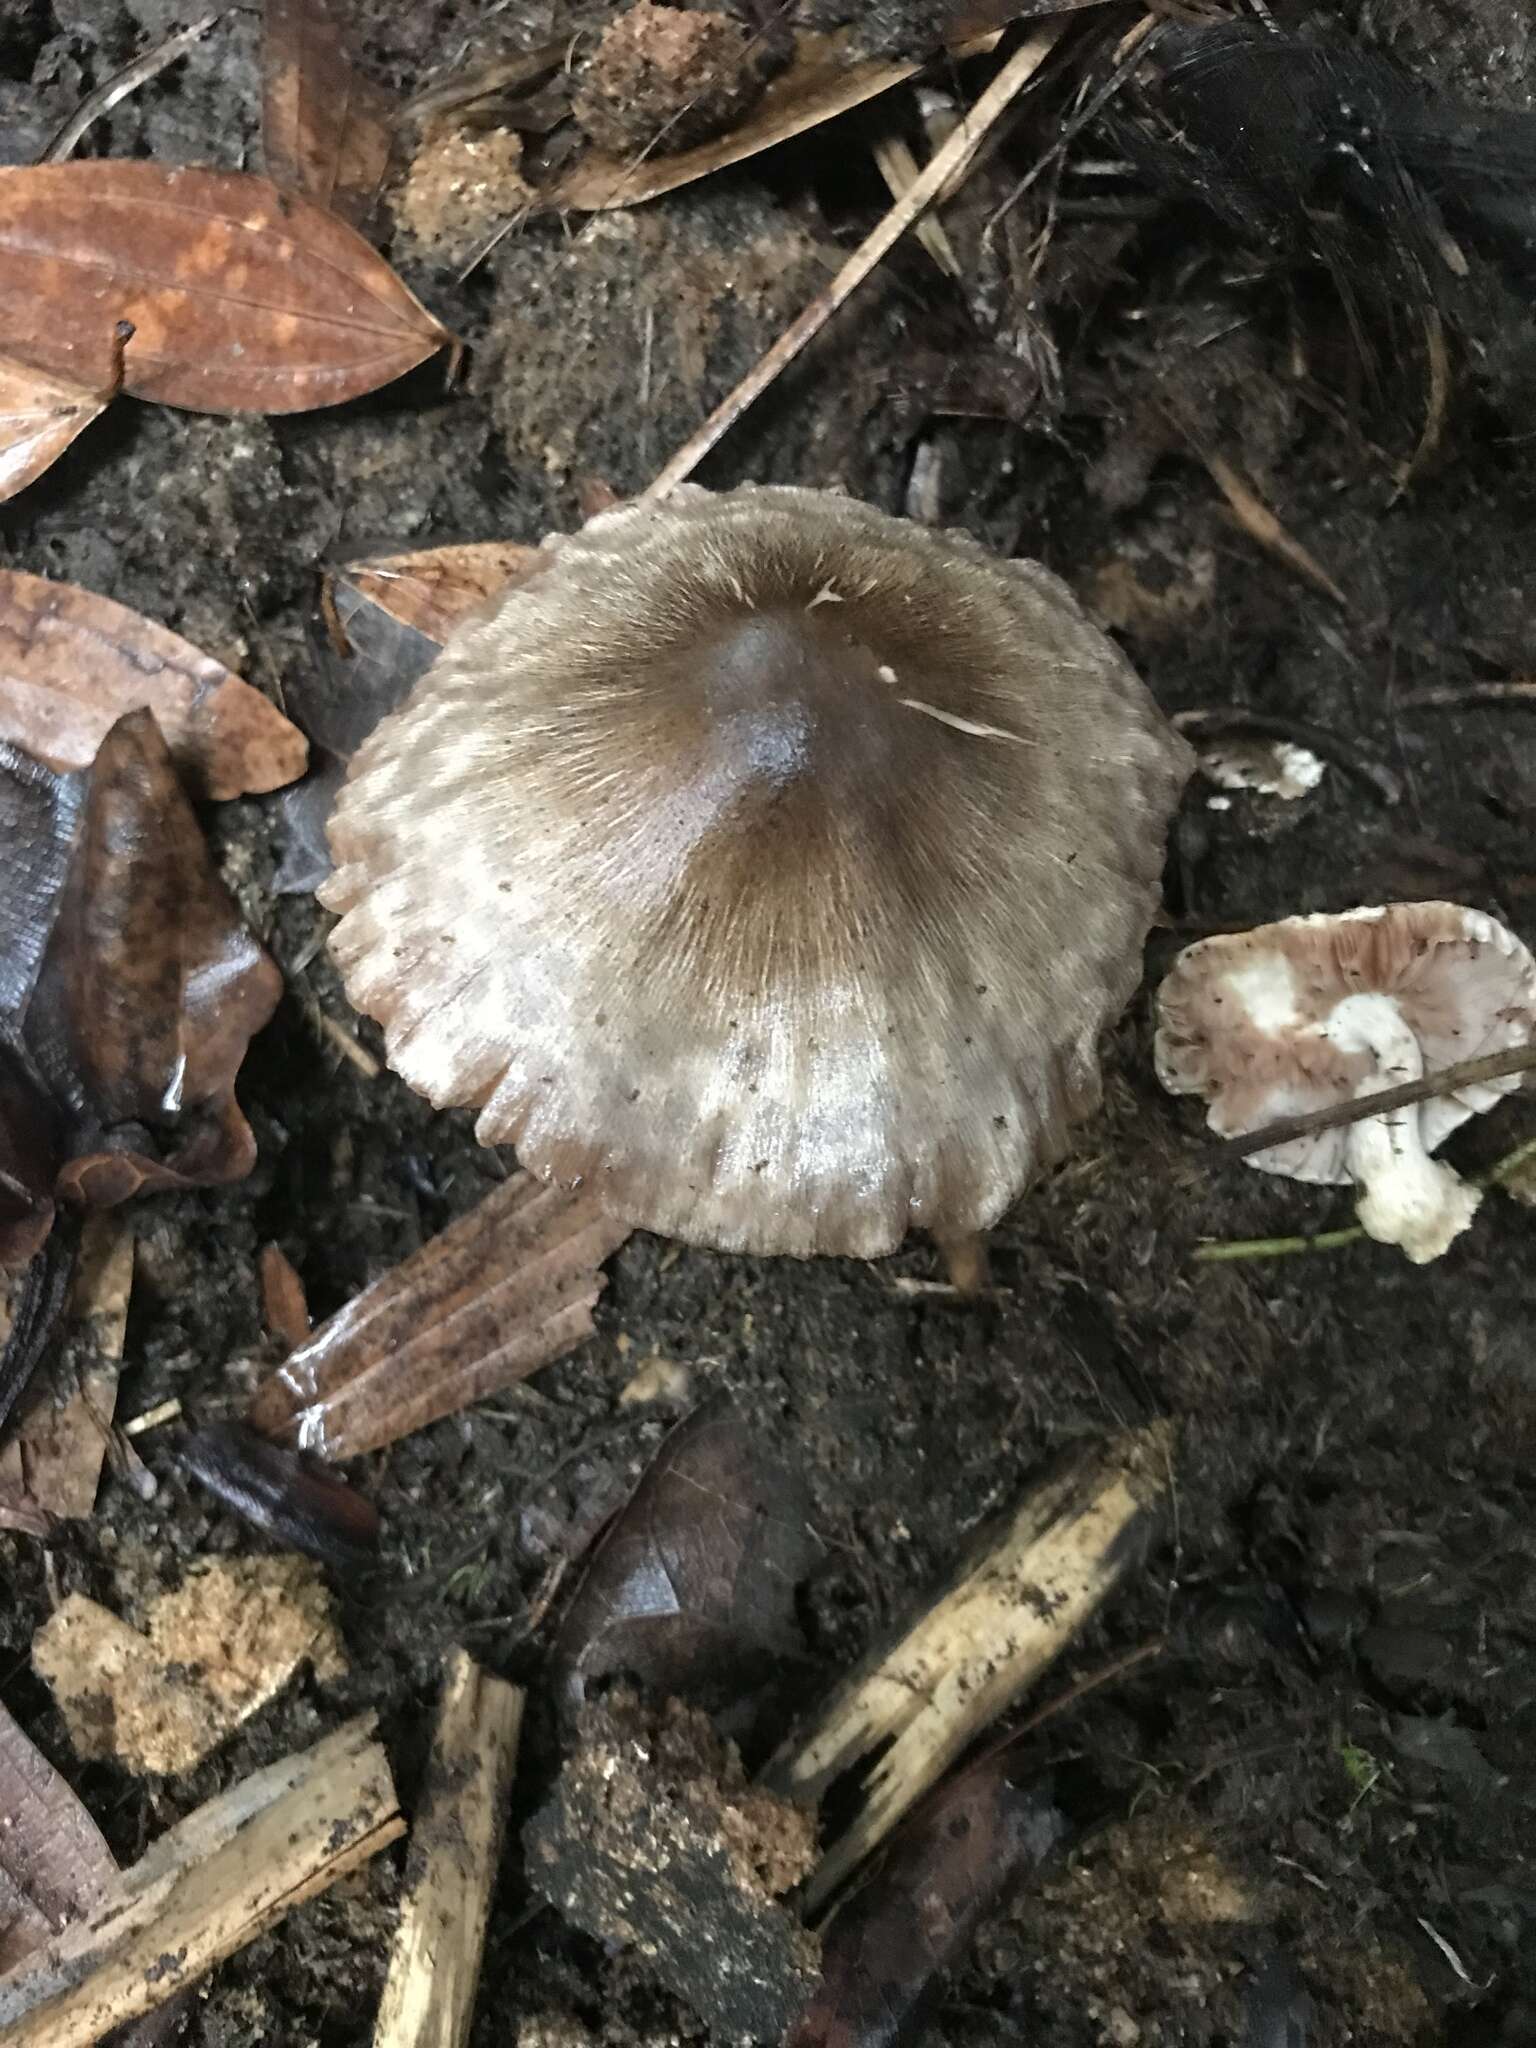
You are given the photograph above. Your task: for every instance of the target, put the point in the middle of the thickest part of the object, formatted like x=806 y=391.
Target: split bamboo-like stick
x=1028 y=1587
x=429 y=1995
x=211 y=1884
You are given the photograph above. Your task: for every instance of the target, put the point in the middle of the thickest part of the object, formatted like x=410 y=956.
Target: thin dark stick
x=1103 y=1675
x=1519 y=1059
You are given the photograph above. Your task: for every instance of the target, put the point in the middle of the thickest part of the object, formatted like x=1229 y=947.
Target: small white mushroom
x=1313 y=1011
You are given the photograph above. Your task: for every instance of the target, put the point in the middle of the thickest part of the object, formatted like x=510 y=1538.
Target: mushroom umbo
x=769 y=863
x=1313 y=1011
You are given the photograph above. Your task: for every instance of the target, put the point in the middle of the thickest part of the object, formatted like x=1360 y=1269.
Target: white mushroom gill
x=1406 y=1198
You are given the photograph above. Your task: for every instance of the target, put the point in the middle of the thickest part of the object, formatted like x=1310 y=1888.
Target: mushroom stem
x=1406 y=1198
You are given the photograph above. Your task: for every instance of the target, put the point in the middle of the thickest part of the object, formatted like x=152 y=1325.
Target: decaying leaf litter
x=1347 y=1558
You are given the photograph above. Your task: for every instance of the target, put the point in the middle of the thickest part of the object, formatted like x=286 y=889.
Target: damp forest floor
x=1313 y=1817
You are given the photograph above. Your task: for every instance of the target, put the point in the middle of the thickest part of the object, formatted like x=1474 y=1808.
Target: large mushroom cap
x=766 y=861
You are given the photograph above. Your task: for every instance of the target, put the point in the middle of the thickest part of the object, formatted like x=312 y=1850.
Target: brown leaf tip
x=768 y=862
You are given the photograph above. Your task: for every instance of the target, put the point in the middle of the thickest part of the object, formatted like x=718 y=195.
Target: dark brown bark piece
x=327 y=130
x=243 y=297
x=654 y=1839
x=72 y=663
x=917 y=1912
x=309 y=1511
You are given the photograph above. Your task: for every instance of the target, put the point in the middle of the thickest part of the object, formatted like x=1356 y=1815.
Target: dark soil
x=1316 y=1811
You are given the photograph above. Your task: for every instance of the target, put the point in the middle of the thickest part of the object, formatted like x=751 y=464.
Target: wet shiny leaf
x=72 y=663
x=326 y=128
x=129 y=987
x=243 y=297
x=691 y=1591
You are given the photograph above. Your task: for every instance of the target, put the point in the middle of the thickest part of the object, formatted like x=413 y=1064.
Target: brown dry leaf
x=243 y=297
x=326 y=129
x=72 y=663
x=40 y=414
x=50 y=1462
x=214 y=1651
x=386 y=617
x=503 y=1291
x=432 y=589
x=129 y=988
x=54 y=1860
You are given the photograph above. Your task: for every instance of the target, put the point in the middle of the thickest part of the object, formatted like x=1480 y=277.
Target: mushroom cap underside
x=1240 y=1019
x=766 y=862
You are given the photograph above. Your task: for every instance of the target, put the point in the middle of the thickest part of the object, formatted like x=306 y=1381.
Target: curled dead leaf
x=72 y=663
x=130 y=987
x=243 y=297
x=326 y=129
x=432 y=589
x=691 y=1591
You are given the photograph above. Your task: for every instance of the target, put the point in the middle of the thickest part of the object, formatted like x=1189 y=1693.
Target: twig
x=1521 y=692
x=1518 y=1059
x=1255 y=517
x=229 y=1871
x=1234 y=1249
x=147 y=65
x=1092 y=1681
x=1014 y=1605
x=434 y=1968
x=946 y=164
x=1438 y=359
